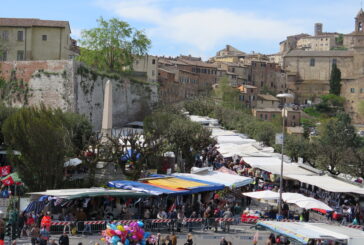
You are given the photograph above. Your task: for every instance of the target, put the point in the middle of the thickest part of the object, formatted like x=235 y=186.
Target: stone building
x=248 y=95
x=147 y=64
x=229 y=54
x=266 y=101
x=268 y=77
x=292 y=117
x=184 y=77
x=35 y=39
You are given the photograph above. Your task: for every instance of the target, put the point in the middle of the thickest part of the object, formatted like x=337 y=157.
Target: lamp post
x=282 y=96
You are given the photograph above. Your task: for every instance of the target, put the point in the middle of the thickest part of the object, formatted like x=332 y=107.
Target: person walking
x=44 y=236
x=189 y=239
x=34 y=234
x=63 y=240
x=173 y=239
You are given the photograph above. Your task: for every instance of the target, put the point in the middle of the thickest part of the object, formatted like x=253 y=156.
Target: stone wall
x=68 y=85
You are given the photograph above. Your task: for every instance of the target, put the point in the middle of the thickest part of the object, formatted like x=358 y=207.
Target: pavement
x=239 y=234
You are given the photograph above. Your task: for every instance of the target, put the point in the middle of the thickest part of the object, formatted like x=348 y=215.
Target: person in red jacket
x=46 y=221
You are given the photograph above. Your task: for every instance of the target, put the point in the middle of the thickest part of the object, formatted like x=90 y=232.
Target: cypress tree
x=335 y=80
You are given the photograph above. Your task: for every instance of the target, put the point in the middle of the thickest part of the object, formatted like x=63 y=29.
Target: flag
x=8 y=181
x=5 y=170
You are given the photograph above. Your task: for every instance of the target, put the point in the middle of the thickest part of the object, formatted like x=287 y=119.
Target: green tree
x=227 y=95
x=336 y=137
x=297 y=146
x=335 y=80
x=41 y=137
x=112 y=45
x=5 y=112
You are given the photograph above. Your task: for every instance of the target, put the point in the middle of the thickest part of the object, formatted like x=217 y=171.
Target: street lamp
x=282 y=96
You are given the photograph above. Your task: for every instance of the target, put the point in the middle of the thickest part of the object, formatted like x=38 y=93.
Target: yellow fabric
x=175 y=183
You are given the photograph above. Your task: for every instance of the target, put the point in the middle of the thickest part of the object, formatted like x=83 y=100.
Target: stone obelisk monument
x=107 y=112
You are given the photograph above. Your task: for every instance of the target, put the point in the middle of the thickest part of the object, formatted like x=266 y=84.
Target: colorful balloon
x=140 y=224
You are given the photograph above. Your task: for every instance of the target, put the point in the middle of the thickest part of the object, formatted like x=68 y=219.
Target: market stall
x=228 y=180
x=312 y=233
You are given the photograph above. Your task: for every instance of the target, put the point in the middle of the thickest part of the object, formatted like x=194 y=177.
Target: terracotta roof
x=267 y=97
x=331 y=53
x=197 y=63
x=268 y=109
x=25 y=22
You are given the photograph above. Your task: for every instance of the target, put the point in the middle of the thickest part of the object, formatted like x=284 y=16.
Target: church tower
x=359 y=21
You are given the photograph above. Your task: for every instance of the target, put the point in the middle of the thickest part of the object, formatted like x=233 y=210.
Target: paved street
x=242 y=234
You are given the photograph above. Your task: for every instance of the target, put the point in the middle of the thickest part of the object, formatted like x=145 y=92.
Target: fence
x=155 y=225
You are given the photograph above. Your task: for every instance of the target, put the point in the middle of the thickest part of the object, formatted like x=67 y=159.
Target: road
x=241 y=234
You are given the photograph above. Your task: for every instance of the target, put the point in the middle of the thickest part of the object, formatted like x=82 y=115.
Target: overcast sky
x=198 y=27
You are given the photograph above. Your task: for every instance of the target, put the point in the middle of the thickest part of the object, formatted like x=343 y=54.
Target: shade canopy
x=228 y=180
x=273 y=165
x=233 y=139
x=72 y=162
x=243 y=150
x=303 y=232
x=328 y=183
x=89 y=192
x=143 y=187
x=289 y=197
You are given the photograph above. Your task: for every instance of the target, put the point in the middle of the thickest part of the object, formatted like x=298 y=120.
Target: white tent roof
x=204 y=120
x=235 y=139
x=273 y=165
x=303 y=232
x=228 y=180
x=86 y=192
x=230 y=149
x=289 y=197
x=221 y=132
x=328 y=183
x=72 y=162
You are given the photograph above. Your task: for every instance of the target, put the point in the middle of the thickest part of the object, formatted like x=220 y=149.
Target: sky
x=198 y=27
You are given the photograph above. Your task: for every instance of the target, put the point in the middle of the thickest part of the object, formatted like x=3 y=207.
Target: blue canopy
x=207 y=186
x=138 y=186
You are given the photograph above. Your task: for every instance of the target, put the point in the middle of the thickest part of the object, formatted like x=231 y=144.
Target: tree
x=41 y=137
x=337 y=137
x=5 y=112
x=112 y=45
x=297 y=146
x=335 y=80
x=228 y=95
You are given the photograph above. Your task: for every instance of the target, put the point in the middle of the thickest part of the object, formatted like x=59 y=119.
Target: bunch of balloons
x=132 y=234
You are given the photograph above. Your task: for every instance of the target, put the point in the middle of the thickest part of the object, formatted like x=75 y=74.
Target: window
x=261 y=83
x=232 y=69
x=334 y=61
x=5 y=35
x=4 y=56
x=20 y=36
x=261 y=116
x=153 y=73
x=361 y=90
x=274 y=116
x=44 y=37
x=352 y=90
x=153 y=61
x=312 y=62
x=20 y=55
x=265 y=116
x=293 y=117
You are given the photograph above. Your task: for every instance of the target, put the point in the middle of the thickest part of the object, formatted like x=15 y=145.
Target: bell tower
x=359 y=21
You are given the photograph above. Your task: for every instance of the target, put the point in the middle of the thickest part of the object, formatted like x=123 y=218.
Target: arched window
x=360 y=26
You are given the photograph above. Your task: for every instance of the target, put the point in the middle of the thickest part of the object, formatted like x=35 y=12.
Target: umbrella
x=72 y=162
x=309 y=203
x=268 y=195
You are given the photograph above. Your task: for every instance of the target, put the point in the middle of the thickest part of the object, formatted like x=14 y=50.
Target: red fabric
x=323 y=211
x=46 y=221
x=248 y=218
x=5 y=170
x=8 y=181
x=30 y=221
x=1 y=242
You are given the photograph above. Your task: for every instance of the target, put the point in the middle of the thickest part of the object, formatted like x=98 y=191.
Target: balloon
x=113 y=227
x=119 y=243
x=127 y=242
x=117 y=232
x=103 y=239
x=134 y=237
x=140 y=224
x=120 y=228
x=108 y=232
x=126 y=227
x=146 y=234
x=115 y=239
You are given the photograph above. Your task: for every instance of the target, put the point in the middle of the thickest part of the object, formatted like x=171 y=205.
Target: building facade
x=35 y=39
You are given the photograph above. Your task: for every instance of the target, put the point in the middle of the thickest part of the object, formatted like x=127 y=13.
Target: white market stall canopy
x=72 y=162
x=233 y=139
x=221 y=132
x=303 y=232
x=88 y=192
x=229 y=180
x=289 y=197
x=273 y=165
x=230 y=149
x=204 y=120
x=328 y=183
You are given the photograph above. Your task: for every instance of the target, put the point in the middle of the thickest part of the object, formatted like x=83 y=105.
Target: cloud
x=202 y=29
x=76 y=33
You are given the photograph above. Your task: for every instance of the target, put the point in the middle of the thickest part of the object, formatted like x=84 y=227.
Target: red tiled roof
x=27 y=22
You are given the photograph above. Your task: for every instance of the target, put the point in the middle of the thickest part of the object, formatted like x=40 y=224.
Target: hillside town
x=103 y=143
